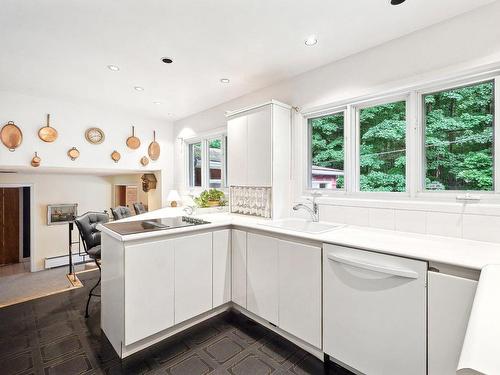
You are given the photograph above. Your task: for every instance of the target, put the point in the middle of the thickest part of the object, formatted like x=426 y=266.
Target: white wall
x=463 y=43
x=71 y=120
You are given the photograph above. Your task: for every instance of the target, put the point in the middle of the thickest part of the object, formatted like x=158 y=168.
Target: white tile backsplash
x=381 y=218
x=410 y=221
x=444 y=224
x=356 y=216
x=479 y=227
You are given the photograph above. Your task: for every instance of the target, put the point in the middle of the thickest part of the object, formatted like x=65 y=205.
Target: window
x=195 y=164
x=382 y=147
x=459 y=138
x=327 y=151
x=207 y=162
x=215 y=162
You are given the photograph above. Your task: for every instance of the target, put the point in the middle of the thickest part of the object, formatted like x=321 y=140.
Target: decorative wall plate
x=154 y=148
x=73 y=153
x=144 y=161
x=94 y=136
x=35 y=162
x=133 y=142
x=47 y=133
x=115 y=155
x=11 y=136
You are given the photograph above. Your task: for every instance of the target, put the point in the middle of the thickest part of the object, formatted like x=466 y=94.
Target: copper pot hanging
x=47 y=133
x=154 y=148
x=35 y=162
x=11 y=136
x=133 y=142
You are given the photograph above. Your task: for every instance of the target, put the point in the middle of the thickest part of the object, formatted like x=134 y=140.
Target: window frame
x=415 y=131
x=205 y=163
x=309 y=149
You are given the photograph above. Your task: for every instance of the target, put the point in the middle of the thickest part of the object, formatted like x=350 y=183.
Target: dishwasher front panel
x=375 y=311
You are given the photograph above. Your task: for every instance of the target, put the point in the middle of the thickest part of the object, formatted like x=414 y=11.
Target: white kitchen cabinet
x=259 y=154
x=300 y=291
x=239 y=267
x=259 y=151
x=262 y=277
x=193 y=275
x=450 y=303
x=149 y=281
x=221 y=267
x=375 y=311
x=237 y=147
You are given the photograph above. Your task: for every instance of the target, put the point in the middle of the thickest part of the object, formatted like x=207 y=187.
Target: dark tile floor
x=51 y=336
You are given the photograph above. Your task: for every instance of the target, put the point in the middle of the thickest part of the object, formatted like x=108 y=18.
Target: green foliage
x=382 y=157
x=459 y=138
x=210 y=195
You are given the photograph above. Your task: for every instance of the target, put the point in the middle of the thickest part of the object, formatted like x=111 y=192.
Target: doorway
x=15 y=228
x=126 y=195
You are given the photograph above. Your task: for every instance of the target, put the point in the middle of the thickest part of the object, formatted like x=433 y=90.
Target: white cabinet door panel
x=259 y=154
x=450 y=304
x=300 y=291
x=239 y=267
x=193 y=275
x=237 y=151
x=149 y=289
x=262 y=276
x=221 y=267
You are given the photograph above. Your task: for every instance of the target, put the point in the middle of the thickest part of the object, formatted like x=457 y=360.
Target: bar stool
x=91 y=238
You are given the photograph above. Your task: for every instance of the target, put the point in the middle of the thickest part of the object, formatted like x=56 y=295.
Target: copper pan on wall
x=11 y=136
x=47 y=133
x=154 y=148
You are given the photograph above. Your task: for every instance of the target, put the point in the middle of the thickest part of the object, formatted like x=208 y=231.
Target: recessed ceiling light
x=397 y=2
x=170 y=114
x=225 y=80
x=114 y=68
x=167 y=60
x=157 y=103
x=138 y=88
x=311 y=40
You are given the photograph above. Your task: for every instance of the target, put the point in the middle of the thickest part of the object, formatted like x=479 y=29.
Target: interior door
x=9 y=225
x=130 y=196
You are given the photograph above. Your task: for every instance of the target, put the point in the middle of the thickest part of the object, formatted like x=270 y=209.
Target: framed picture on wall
x=61 y=213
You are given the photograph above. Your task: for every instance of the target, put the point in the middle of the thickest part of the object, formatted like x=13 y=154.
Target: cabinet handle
x=401 y=272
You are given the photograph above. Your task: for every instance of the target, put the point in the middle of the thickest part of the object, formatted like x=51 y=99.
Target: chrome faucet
x=314 y=211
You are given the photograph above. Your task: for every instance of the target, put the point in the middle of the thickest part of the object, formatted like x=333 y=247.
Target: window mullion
x=496 y=138
x=413 y=173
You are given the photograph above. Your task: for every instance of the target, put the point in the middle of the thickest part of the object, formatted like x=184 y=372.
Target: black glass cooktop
x=152 y=225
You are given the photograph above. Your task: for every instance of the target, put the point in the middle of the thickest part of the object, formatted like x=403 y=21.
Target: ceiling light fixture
x=167 y=60
x=311 y=41
x=138 y=88
x=157 y=103
x=397 y=2
x=225 y=80
x=114 y=68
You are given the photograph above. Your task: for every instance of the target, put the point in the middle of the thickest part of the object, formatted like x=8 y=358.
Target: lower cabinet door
x=221 y=267
x=300 y=291
x=239 y=267
x=262 y=276
x=193 y=275
x=450 y=303
x=149 y=289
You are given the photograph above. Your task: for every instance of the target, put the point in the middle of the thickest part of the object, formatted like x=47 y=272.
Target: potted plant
x=211 y=198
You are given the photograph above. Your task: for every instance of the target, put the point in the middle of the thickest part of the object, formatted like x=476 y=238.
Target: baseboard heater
x=63 y=260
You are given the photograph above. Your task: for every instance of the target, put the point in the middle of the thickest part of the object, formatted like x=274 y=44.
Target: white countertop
x=452 y=251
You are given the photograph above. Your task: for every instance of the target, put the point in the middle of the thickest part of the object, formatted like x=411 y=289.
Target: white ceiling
x=61 y=48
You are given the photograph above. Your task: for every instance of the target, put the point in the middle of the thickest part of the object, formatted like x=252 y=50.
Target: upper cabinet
x=259 y=151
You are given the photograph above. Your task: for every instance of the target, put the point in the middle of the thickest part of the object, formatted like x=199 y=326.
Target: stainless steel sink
x=301 y=225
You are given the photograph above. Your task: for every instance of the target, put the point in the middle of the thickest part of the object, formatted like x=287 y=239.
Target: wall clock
x=94 y=136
